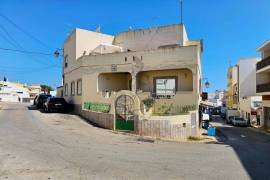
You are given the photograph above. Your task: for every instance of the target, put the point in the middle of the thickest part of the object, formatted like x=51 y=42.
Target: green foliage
x=149 y=102
x=46 y=88
x=170 y=109
x=97 y=107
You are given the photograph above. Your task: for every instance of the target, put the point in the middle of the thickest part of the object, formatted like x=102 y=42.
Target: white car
x=237 y=121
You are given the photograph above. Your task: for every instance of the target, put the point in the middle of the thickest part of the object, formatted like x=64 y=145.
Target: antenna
x=181 y=9
x=98 y=30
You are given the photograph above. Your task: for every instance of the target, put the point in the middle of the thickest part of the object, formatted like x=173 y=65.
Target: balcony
x=263 y=63
x=263 y=88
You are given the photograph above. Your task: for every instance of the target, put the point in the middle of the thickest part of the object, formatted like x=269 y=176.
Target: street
x=36 y=145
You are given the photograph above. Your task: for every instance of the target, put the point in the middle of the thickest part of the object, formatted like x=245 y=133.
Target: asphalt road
x=34 y=145
x=251 y=147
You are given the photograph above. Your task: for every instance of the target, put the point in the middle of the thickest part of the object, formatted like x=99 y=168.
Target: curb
x=155 y=139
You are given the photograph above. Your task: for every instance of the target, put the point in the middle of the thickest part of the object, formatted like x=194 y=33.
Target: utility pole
x=181 y=9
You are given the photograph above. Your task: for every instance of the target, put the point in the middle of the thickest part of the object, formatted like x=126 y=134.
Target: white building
x=13 y=92
x=216 y=98
x=249 y=102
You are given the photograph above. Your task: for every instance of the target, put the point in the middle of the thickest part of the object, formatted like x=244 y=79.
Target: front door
x=124 y=109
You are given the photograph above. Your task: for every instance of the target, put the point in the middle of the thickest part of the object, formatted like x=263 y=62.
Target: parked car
x=56 y=104
x=41 y=99
x=237 y=121
x=229 y=120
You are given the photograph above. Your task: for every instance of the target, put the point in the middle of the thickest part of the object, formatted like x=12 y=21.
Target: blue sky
x=230 y=29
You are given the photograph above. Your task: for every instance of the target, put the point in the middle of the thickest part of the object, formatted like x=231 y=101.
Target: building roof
x=265 y=45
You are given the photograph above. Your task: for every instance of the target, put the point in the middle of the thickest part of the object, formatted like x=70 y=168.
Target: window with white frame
x=72 y=88
x=79 y=87
x=165 y=86
x=66 y=89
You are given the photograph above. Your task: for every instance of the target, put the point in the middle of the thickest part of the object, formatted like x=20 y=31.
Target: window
x=72 y=88
x=66 y=61
x=79 y=87
x=165 y=86
x=66 y=89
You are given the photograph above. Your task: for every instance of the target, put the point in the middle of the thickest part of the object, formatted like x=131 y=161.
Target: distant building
x=242 y=89
x=232 y=96
x=13 y=92
x=216 y=98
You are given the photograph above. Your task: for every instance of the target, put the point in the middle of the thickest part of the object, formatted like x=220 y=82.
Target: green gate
x=124 y=111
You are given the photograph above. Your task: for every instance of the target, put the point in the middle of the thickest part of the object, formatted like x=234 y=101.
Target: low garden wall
x=97 y=113
x=168 y=129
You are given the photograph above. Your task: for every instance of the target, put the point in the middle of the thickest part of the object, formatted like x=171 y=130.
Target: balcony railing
x=263 y=88
x=263 y=63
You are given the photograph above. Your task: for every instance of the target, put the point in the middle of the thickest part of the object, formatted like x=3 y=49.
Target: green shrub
x=97 y=107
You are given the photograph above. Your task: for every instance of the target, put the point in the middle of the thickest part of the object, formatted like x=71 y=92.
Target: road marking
x=243 y=136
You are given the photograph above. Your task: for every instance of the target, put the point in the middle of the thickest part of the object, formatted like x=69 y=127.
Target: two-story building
x=263 y=82
x=135 y=80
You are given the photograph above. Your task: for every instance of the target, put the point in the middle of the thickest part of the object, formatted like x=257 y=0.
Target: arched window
x=66 y=61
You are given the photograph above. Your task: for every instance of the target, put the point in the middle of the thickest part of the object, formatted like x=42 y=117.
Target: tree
x=46 y=88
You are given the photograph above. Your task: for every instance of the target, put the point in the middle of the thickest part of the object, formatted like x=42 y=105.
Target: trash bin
x=211 y=131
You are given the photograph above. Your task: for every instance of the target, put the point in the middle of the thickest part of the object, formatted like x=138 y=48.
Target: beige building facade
x=120 y=81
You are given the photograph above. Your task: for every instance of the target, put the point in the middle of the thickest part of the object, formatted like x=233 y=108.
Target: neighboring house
x=242 y=89
x=34 y=90
x=216 y=98
x=232 y=95
x=13 y=92
x=121 y=82
x=248 y=101
x=263 y=82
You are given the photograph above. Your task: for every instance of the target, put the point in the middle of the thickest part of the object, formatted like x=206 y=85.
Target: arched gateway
x=124 y=113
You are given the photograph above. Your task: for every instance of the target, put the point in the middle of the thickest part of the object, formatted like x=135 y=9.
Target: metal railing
x=263 y=88
x=263 y=63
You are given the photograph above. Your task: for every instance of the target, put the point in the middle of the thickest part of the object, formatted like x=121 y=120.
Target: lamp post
x=206 y=84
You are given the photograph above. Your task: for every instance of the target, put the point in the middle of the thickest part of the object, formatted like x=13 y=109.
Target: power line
x=9 y=38
x=26 y=52
x=24 y=31
x=15 y=44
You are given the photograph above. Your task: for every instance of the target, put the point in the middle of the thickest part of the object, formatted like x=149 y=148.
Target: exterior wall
x=92 y=66
x=184 y=79
x=263 y=77
x=113 y=82
x=151 y=38
x=247 y=77
x=266 y=54
x=167 y=129
x=83 y=37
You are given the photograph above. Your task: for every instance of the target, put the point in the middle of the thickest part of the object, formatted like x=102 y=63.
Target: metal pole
x=181 y=8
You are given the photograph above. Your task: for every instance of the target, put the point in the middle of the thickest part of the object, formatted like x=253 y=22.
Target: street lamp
x=207 y=84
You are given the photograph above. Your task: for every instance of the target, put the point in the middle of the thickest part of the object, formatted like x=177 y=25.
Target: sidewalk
x=260 y=130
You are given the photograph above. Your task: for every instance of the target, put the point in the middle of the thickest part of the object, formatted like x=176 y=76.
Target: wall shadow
x=252 y=149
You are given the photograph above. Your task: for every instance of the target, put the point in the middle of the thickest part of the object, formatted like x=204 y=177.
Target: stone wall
x=104 y=120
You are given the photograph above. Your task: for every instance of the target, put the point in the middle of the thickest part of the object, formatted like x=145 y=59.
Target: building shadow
x=252 y=149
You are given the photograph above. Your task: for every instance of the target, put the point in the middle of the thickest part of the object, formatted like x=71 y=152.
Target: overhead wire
x=24 y=31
